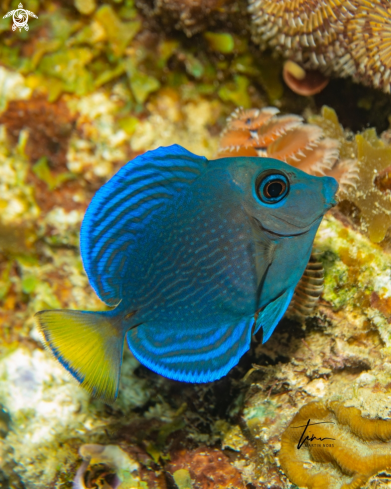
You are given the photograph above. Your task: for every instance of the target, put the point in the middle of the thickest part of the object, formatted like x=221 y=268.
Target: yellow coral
x=339 y=448
x=345 y=37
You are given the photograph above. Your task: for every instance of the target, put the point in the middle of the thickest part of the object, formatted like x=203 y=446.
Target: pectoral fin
x=270 y=316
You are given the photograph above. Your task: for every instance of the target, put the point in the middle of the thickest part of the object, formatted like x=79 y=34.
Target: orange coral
x=340 y=448
x=345 y=37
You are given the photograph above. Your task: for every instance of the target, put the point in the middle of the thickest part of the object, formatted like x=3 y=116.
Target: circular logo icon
x=20 y=18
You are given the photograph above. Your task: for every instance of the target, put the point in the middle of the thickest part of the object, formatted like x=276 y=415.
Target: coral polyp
x=304 y=22
x=341 y=37
x=339 y=448
x=306 y=31
x=369 y=35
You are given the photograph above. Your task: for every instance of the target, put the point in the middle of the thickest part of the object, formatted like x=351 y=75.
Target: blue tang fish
x=194 y=256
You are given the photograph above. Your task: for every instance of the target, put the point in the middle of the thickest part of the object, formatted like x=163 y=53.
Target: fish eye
x=273 y=188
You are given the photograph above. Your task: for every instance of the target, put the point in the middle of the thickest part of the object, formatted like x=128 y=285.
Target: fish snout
x=330 y=189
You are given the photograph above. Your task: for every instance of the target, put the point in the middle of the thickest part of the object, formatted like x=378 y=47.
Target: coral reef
x=339 y=447
x=341 y=37
x=87 y=88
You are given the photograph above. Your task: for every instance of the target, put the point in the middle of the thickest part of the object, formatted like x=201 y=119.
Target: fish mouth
x=279 y=235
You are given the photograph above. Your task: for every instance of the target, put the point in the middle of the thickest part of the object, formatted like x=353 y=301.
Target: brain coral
x=341 y=37
x=343 y=449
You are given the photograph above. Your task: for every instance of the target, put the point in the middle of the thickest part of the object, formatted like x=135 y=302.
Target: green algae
x=85 y=7
x=354 y=267
x=182 y=479
x=69 y=66
x=119 y=34
x=128 y=124
x=260 y=412
x=79 y=54
x=222 y=42
x=43 y=172
x=142 y=85
x=236 y=92
x=193 y=65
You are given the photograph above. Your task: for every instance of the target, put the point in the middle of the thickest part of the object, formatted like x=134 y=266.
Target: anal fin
x=191 y=352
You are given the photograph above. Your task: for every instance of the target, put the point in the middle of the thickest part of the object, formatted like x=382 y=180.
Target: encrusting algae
x=338 y=449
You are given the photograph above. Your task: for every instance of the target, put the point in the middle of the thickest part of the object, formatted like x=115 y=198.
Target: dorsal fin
x=121 y=209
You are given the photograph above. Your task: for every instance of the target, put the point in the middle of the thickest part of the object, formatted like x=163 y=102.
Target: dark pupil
x=274 y=189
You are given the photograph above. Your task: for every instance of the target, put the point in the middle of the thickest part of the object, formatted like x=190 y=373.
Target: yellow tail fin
x=89 y=345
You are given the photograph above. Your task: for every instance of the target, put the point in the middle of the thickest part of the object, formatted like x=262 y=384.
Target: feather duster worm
x=339 y=448
x=287 y=138
x=341 y=37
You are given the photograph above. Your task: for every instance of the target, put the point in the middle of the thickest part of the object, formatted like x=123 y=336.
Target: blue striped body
x=191 y=256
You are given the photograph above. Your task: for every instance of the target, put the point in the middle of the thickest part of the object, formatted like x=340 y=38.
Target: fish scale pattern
x=218 y=246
